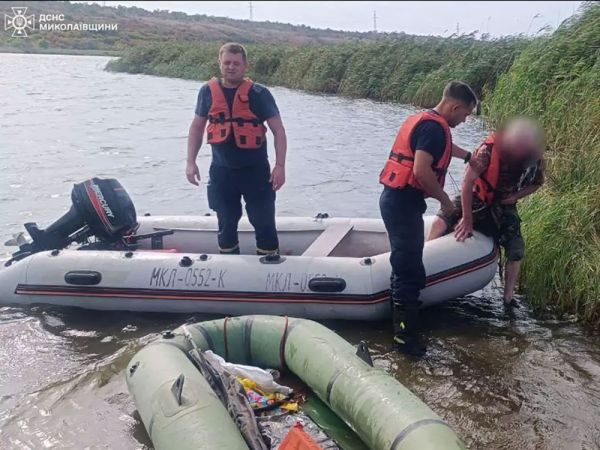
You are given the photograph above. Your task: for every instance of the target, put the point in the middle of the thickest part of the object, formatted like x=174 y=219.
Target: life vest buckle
x=219 y=119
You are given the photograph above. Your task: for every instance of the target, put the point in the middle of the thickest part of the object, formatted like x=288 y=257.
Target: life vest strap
x=400 y=157
x=487 y=183
x=220 y=119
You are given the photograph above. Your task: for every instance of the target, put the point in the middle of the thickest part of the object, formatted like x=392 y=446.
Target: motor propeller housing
x=101 y=208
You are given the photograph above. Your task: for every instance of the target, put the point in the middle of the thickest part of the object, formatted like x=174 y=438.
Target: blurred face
x=233 y=67
x=459 y=113
x=522 y=140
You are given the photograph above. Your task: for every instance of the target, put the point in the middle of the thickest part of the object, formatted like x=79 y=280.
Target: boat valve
x=203 y=257
x=168 y=335
x=186 y=261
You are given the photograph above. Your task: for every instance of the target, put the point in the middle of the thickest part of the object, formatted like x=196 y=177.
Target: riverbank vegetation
x=407 y=69
x=557 y=79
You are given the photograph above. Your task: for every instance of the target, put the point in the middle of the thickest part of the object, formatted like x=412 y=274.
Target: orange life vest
x=298 y=439
x=485 y=186
x=248 y=130
x=398 y=170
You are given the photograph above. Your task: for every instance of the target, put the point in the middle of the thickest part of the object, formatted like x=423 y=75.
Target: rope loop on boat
x=282 y=345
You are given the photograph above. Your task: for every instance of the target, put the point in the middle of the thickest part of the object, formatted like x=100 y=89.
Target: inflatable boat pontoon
x=180 y=410
x=328 y=267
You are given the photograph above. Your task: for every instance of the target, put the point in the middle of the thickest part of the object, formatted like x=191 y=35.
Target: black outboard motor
x=101 y=208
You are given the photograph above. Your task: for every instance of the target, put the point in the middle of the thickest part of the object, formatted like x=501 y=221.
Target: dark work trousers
x=226 y=187
x=402 y=212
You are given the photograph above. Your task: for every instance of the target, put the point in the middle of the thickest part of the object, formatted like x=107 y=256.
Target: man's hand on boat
x=192 y=173
x=277 y=177
x=448 y=206
x=464 y=229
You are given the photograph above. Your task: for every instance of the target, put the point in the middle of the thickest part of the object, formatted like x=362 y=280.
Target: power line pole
x=375 y=20
x=250 y=8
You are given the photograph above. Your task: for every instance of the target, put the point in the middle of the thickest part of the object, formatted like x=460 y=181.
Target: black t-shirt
x=228 y=154
x=430 y=137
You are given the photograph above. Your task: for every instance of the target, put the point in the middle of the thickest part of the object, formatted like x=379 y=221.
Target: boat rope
x=282 y=345
x=225 y=338
x=248 y=338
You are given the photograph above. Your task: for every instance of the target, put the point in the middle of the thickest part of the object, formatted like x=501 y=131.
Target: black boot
x=405 y=316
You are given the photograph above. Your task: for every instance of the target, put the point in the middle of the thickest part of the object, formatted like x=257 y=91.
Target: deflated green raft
x=385 y=414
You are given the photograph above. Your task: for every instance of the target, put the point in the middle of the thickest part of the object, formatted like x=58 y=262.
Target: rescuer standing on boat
x=233 y=110
x=507 y=167
x=416 y=169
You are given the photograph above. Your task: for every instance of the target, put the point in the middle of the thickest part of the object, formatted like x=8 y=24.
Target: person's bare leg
x=511 y=275
x=438 y=228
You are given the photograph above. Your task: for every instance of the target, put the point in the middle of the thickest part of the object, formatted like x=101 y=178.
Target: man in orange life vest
x=507 y=167
x=235 y=110
x=416 y=168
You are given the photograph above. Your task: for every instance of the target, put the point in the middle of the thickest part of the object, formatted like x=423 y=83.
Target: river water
x=503 y=382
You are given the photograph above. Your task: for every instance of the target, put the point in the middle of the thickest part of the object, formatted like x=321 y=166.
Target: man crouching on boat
x=235 y=110
x=507 y=167
x=416 y=168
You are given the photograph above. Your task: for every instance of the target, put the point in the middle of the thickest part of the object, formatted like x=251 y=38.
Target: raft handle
x=83 y=277
x=177 y=389
x=327 y=284
x=133 y=368
x=363 y=352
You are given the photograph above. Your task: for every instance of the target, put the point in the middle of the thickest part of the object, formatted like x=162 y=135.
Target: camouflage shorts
x=499 y=221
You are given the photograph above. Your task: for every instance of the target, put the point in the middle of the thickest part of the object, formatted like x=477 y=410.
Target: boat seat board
x=328 y=240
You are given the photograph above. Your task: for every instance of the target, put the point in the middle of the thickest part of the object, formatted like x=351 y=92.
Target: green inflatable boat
x=180 y=410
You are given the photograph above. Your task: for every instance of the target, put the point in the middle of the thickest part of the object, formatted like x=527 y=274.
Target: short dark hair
x=461 y=91
x=235 y=48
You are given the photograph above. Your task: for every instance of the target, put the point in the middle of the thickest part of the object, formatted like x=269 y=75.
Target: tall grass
x=408 y=69
x=557 y=79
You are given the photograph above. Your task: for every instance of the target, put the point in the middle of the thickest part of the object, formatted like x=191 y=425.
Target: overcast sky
x=424 y=17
